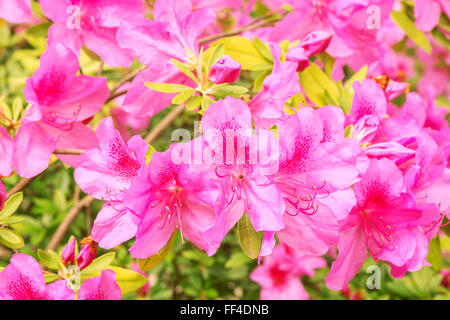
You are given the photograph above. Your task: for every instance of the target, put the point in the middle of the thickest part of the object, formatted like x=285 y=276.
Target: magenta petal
x=113 y=227
x=6 y=150
x=32 y=150
x=103 y=287
x=15 y=11
x=352 y=254
x=22 y=279
x=59 y=290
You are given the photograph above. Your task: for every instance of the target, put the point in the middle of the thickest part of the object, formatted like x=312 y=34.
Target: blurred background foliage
x=186 y=273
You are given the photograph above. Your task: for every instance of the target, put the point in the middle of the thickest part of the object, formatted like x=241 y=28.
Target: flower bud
x=225 y=70
x=316 y=42
x=298 y=55
x=2 y=195
x=88 y=252
x=68 y=253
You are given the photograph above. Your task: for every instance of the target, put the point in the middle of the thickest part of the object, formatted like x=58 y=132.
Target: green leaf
x=249 y=239
x=99 y=263
x=328 y=63
x=238 y=259
x=39 y=30
x=317 y=84
x=264 y=50
x=148 y=156
x=243 y=51
x=444 y=22
x=11 y=205
x=128 y=280
x=156 y=259
x=193 y=103
x=11 y=239
x=167 y=87
x=182 y=96
x=183 y=68
x=13 y=220
x=47 y=260
x=17 y=108
x=435 y=253
x=294 y=102
x=230 y=91
x=91 y=54
x=217 y=53
x=346 y=97
x=441 y=38
x=50 y=277
x=259 y=81
x=59 y=200
x=205 y=103
x=407 y=25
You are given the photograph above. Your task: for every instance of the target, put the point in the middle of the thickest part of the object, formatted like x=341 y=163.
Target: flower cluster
x=313 y=158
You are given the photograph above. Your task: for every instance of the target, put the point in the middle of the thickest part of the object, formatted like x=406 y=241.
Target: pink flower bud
x=225 y=70
x=87 y=253
x=68 y=253
x=316 y=42
x=2 y=195
x=298 y=55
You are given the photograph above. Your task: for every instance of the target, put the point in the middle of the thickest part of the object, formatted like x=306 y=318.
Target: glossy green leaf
x=11 y=205
x=408 y=26
x=185 y=69
x=317 y=84
x=99 y=263
x=183 y=96
x=128 y=280
x=11 y=238
x=435 y=254
x=249 y=239
x=167 y=87
x=156 y=259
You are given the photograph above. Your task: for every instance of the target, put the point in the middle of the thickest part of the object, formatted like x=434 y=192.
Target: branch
x=18 y=187
x=75 y=152
x=160 y=127
x=129 y=77
x=65 y=224
x=251 y=26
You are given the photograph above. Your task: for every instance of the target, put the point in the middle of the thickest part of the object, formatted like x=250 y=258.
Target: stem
x=251 y=26
x=129 y=77
x=65 y=224
x=18 y=187
x=160 y=127
x=75 y=152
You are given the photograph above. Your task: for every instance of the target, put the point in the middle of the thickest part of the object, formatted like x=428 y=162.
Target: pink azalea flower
x=15 y=11
x=385 y=221
x=172 y=34
x=106 y=173
x=59 y=100
x=279 y=275
x=246 y=182
x=93 y=24
x=171 y=196
x=318 y=166
x=23 y=279
x=103 y=287
x=267 y=107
